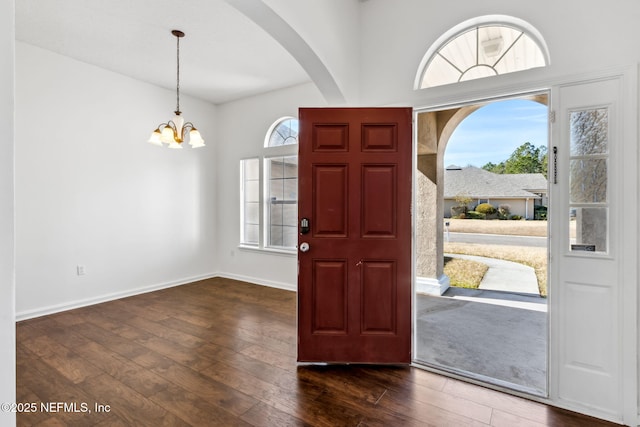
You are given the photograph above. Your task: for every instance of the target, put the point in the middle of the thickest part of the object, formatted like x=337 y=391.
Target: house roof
x=481 y=184
x=535 y=182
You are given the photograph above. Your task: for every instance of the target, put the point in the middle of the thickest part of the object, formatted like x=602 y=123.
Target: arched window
x=482 y=47
x=269 y=192
x=282 y=132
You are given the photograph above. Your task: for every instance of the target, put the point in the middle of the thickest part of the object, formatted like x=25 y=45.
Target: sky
x=493 y=132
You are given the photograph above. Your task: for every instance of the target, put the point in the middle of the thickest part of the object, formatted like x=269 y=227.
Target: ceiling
x=224 y=55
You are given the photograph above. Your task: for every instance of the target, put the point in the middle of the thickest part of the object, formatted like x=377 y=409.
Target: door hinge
x=552 y=116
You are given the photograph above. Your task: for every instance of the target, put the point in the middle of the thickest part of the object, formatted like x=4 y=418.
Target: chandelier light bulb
x=155 y=138
x=167 y=135
x=195 y=139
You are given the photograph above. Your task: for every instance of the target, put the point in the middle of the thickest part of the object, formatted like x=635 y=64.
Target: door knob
x=304 y=247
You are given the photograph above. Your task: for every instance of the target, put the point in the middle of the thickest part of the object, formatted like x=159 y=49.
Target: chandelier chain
x=178 y=76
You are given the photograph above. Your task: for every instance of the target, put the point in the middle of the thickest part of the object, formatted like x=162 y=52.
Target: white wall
x=90 y=191
x=242 y=128
x=7 y=266
x=581 y=35
x=332 y=29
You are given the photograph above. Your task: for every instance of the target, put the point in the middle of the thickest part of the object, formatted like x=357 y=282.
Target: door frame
x=630 y=258
x=488 y=99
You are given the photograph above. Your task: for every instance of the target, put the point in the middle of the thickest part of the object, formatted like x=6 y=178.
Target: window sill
x=289 y=253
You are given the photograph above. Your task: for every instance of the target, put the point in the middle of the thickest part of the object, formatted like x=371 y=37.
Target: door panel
x=586 y=296
x=329 y=196
x=329 y=296
x=354 y=282
x=379 y=201
x=378 y=297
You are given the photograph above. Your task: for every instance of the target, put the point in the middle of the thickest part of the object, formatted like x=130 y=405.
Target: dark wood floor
x=223 y=352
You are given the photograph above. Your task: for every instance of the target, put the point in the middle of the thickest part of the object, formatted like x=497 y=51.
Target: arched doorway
x=464 y=333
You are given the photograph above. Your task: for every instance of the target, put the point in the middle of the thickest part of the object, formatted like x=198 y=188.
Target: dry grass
x=464 y=273
x=496 y=226
x=533 y=257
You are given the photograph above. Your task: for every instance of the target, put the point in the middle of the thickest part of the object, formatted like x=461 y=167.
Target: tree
x=527 y=158
x=463 y=200
x=544 y=159
x=492 y=167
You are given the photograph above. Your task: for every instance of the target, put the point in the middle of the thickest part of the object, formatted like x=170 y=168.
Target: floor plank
x=223 y=352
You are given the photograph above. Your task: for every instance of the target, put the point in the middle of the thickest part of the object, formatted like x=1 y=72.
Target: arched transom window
x=282 y=132
x=481 y=50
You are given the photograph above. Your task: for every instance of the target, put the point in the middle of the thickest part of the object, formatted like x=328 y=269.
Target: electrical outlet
x=80 y=270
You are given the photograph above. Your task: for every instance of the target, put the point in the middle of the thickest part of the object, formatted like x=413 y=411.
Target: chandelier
x=175 y=131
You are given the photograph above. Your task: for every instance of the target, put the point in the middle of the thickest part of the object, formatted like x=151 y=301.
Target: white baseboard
x=259 y=281
x=43 y=311
x=432 y=286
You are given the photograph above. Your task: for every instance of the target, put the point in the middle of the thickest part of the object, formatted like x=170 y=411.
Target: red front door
x=354 y=278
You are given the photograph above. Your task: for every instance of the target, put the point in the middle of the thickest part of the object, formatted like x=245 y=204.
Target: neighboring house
x=520 y=191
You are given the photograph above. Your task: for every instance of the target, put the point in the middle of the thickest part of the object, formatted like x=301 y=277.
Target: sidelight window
x=588 y=179
x=250 y=201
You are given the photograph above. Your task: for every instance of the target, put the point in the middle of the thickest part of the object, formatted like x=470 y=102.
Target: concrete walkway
x=505 y=299
x=496 y=334
x=485 y=335
x=505 y=275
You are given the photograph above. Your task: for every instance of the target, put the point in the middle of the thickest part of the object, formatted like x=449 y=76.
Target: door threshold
x=487 y=382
